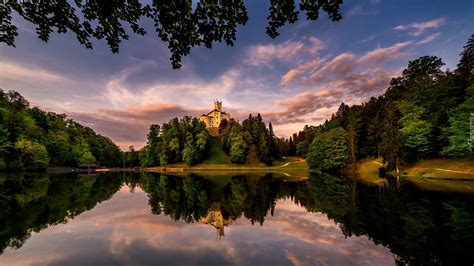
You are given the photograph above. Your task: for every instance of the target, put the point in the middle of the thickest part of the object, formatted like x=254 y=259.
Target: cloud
x=258 y=55
x=360 y=10
x=300 y=69
x=298 y=108
x=354 y=73
x=416 y=29
x=346 y=77
x=16 y=71
x=289 y=51
x=129 y=126
x=428 y=39
x=191 y=90
x=379 y=55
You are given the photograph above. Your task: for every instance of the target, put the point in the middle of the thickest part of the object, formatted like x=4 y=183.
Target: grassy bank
x=292 y=167
x=455 y=175
x=367 y=171
x=445 y=169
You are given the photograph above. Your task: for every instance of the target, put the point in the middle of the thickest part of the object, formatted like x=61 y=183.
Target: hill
x=31 y=138
x=215 y=153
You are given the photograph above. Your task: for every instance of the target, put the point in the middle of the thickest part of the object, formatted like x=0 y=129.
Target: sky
x=300 y=78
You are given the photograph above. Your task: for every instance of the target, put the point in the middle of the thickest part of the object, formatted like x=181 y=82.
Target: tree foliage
x=181 y=24
x=182 y=140
x=329 y=150
x=253 y=141
x=461 y=142
x=33 y=139
x=466 y=63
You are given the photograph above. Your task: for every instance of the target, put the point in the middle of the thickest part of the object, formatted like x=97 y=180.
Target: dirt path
x=288 y=163
x=445 y=170
x=439 y=169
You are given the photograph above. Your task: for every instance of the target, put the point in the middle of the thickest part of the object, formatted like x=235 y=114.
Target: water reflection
x=215 y=218
x=257 y=219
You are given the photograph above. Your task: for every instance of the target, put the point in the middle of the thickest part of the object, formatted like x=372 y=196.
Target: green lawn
x=367 y=171
x=446 y=169
x=215 y=154
x=291 y=167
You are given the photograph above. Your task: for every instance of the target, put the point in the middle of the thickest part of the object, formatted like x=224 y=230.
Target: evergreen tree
x=272 y=142
x=392 y=145
x=466 y=63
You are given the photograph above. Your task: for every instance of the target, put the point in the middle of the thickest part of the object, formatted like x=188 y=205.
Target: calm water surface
x=153 y=219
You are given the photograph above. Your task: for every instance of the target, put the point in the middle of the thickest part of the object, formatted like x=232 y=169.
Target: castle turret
x=218 y=105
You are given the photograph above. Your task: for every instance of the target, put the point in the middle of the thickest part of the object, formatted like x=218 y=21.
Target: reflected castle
x=216 y=219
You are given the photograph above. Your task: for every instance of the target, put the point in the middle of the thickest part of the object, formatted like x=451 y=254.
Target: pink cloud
x=129 y=126
x=419 y=27
x=263 y=54
x=386 y=53
x=300 y=69
x=294 y=109
x=428 y=39
x=353 y=74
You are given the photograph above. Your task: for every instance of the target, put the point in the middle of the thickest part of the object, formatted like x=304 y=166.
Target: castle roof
x=215 y=110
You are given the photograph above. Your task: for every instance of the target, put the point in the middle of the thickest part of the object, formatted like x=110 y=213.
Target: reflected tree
x=32 y=202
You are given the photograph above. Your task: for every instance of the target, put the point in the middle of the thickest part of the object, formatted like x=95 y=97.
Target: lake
x=156 y=219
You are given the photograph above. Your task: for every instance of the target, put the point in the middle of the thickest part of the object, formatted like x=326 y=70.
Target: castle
x=214 y=118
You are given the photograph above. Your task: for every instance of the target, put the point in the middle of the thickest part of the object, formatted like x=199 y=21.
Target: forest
x=187 y=140
x=32 y=139
x=425 y=113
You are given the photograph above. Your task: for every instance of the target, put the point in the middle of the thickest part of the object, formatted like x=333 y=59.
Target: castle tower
x=218 y=105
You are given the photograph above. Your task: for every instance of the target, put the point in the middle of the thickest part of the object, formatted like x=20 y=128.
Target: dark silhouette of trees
x=177 y=23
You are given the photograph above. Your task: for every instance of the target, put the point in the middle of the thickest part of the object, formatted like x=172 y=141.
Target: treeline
x=33 y=139
x=425 y=113
x=177 y=141
x=252 y=142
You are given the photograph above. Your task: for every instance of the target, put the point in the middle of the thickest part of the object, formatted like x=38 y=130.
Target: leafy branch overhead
x=179 y=23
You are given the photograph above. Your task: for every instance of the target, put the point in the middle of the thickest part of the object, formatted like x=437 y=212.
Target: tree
x=415 y=132
x=423 y=69
x=272 y=142
x=353 y=129
x=32 y=155
x=177 y=23
x=466 y=63
x=87 y=158
x=132 y=157
x=461 y=142
x=329 y=150
x=190 y=154
x=152 y=146
x=238 y=149
x=391 y=145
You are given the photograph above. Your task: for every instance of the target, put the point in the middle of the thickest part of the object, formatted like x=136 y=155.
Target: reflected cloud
x=123 y=231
